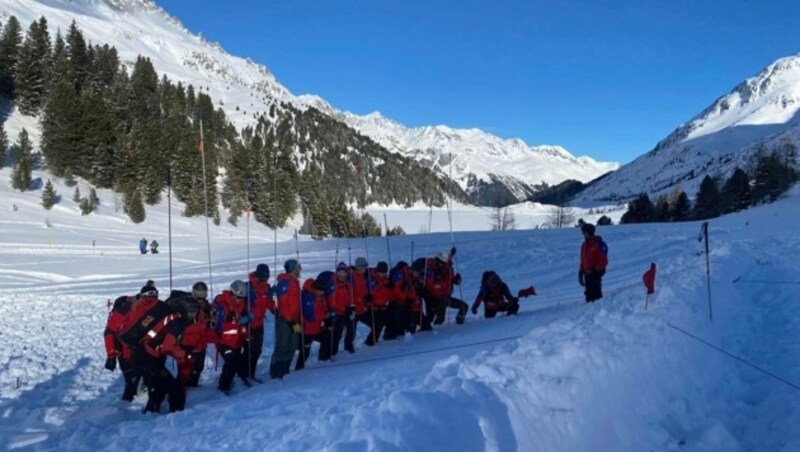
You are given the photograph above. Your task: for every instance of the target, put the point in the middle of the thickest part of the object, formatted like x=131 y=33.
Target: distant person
x=154 y=247
x=594 y=259
x=143 y=246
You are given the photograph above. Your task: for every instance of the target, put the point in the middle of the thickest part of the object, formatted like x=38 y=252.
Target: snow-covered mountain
x=489 y=168
x=761 y=110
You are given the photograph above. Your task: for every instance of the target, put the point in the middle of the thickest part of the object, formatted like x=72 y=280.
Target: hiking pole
x=704 y=236
x=169 y=221
x=388 y=248
x=247 y=185
x=275 y=219
x=300 y=300
x=335 y=264
x=368 y=281
x=453 y=244
x=352 y=284
x=205 y=198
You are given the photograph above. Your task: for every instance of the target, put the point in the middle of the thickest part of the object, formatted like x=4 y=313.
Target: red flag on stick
x=649 y=279
x=200 y=146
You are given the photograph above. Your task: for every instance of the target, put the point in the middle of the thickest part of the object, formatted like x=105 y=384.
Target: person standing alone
x=594 y=260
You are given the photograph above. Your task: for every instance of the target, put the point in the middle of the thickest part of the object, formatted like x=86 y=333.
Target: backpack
x=147 y=325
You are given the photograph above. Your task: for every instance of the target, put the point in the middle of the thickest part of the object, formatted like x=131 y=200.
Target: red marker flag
x=200 y=146
x=649 y=279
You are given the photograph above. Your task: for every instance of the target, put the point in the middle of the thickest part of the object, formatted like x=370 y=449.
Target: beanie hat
x=262 y=271
x=382 y=267
x=342 y=267
x=588 y=228
x=361 y=263
x=200 y=289
x=322 y=281
x=290 y=265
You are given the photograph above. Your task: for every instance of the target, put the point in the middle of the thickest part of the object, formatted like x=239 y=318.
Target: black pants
x=376 y=327
x=593 y=282
x=199 y=365
x=343 y=322
x=131 y=378
x=251 y=354
x=160 y=383
x=324 y=340
x=232 y=360
x=396 y=319
x=449 y=302
x=508 y=308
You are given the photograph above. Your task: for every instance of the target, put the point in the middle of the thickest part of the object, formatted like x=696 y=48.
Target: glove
x=475 y=309
x=453 y=251
x=580 y=279
x=457 y=279
x=111 y=364
x=296 y=328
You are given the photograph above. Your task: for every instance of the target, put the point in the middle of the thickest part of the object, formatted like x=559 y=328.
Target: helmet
x=382 y=267
x=262 y=271
x=290 y=265
x=588 y=228
x=200 y=289
x=443 y=256
x=239 y=288
x=361 y=263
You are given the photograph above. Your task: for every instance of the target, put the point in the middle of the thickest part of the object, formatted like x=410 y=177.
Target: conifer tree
x=708 y=200
x=661 y=212
x=79 y=62
x=134 y=206
x=77 y=195
x=49 y=195
x=604 y=221
x=93 y=197
x=10 y=45
x=87 y=206
x=640 y=210
x=21 y=177
x=3 y=145
x=33 y=69
x=736 y=192
x=681 y=207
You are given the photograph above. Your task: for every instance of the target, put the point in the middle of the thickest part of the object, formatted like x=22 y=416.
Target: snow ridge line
x=741 y=360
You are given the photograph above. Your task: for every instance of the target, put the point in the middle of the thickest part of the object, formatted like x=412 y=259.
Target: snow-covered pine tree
x=49 y=196
x=681 y=207
x=134 y=206
x=77 y=195
x=23 y=166
x=87 y=206
x=736 y=192
x=33 y=69
x=10 y=46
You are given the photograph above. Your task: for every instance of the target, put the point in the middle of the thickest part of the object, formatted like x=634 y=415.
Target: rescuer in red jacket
x=594 y=260
x=116 y=351
x=288 y=325
x=230 y=323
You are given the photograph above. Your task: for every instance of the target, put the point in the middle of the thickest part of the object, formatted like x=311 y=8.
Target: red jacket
x=594 y=255
x=198 y=334
x=227 y=310
x=115 y=348
x=152 y=325
x=359 y=290
x=378 y=288
x=313 y=326
x=439 y=278
x=404 y=290
x=260 y=301
x=288 y=290
x=342 y=296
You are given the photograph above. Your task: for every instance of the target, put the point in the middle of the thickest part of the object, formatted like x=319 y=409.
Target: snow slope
x=560 y=376
x=762 y=109
x=245 y=90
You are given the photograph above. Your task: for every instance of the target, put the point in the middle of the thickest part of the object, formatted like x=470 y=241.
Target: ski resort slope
x=562 y=375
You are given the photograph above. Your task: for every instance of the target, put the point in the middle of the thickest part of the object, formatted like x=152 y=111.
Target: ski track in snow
x=560 y=376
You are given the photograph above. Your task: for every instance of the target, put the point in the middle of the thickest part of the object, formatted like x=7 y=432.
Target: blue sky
x=602 y=78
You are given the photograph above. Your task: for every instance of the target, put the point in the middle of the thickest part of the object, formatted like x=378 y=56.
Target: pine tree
x=49 y=195
x=369 y=226
x=21 y=177
x=33 y=69
x=93 y=198
x=10 y=45
x=640 y=210
x=134 y=206
x=736 y=192
x=3 y=145
x=79 y=62
x=661 y=212
x=77 y=195
x=708 y=200
x=681 y=207
x=87 y=206
x=604 y=221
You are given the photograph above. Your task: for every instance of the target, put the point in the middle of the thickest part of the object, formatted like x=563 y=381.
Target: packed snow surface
x=563 y=375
